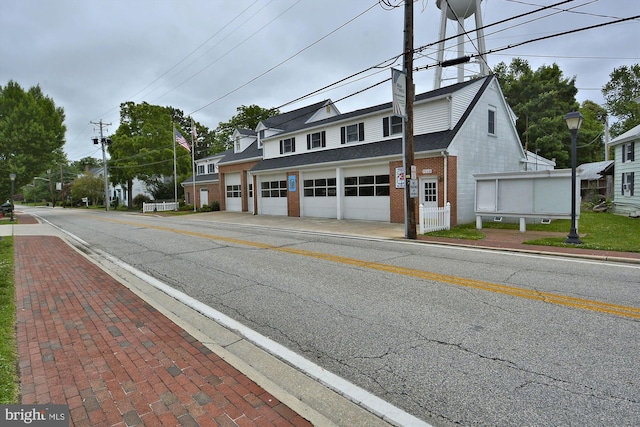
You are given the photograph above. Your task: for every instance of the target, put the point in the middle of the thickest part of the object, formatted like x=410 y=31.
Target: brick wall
x=436 y=164
x=238 y=167
x=293 y=198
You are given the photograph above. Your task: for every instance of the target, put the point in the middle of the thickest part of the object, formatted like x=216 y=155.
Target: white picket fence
x=159 y=207
x=434 y=219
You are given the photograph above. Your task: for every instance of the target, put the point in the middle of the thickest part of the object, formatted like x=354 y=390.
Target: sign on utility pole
x=410 y=201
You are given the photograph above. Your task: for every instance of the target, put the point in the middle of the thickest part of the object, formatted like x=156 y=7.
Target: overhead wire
x=285 y=60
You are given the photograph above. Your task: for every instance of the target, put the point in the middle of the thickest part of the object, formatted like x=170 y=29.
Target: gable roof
x=425 y=96
x=630 y=135
x=436 y=141
x=293 y=119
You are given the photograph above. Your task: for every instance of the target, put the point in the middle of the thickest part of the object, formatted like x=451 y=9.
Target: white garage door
x=272 y=195
x=319 y=194
x=233 y=192
x=366 y=193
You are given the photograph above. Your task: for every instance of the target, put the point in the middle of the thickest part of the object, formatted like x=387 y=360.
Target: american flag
x=180 y=140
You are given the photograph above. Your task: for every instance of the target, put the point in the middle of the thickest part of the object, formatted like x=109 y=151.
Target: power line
x=284 y=61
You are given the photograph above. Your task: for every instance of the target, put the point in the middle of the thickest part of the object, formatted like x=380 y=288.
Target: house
x=318 y=162
x=206 y=188
x=626 y=200
x=593 y=180
x=120 y=192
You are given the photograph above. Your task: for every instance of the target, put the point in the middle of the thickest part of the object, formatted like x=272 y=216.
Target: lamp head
x=12 y=176
x=574 y=120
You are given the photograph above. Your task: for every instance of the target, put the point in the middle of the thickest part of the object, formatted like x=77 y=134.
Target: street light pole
x=574 y=120
x=12 y=176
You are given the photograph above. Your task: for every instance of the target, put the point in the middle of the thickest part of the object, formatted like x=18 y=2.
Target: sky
x=208 y=57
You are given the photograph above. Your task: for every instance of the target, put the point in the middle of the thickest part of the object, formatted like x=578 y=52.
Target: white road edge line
x=356 y=394
x=349 y=390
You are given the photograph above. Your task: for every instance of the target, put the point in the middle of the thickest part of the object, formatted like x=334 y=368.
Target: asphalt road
x=453 y=336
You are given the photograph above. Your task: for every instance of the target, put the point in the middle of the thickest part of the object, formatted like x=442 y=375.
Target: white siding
x=462 y=99
x=479 y=152
x=431 y=116
x=626 y=204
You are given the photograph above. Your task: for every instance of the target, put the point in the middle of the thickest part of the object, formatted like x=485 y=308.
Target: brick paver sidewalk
x=87 y=341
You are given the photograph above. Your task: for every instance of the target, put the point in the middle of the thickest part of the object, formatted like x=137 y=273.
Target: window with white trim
x=391 y=125
x=368 y=185
x=237 y=144
x=322 y=187
x=234 y=191
x=627 y=184
x=491 y=121
x=200 y=169
x=628 y=152
x=211 y=168
x=273 y=189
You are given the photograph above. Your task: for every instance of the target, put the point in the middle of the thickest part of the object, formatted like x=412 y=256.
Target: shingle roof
x=211 y=177
x=381 y=107
x=294 y=119
x=391 y=147
x=251 y=152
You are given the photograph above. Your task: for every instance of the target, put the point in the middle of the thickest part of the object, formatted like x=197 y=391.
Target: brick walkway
x=87 y=341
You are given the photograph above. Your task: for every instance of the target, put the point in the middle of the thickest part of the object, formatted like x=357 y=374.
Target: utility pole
x=408 y=141
x=103 y=141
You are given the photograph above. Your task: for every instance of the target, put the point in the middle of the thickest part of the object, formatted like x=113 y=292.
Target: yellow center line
x=586 y=304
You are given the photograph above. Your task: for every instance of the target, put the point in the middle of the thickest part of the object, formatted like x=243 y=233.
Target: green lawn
x=604 y=231
x=9 y=389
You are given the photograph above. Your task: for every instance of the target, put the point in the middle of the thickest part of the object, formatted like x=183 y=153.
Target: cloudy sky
x=207 y=57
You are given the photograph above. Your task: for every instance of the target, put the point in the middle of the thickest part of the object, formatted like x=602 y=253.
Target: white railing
x=159 y=207
x=434 y=219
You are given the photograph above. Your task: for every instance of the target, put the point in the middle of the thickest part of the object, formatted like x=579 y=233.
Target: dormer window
x=200 y=169
x=211 y=168
x=237 y=144
x=352 y=133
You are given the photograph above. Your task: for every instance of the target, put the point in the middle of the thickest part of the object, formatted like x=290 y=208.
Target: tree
x=621 y=98
x=541 y=99
x=88 y=186
x=31 y=134
x=247 y=118
x=143 y=145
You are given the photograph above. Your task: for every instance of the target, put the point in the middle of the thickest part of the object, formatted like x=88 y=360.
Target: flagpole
x=193 y=161
x=175 y=172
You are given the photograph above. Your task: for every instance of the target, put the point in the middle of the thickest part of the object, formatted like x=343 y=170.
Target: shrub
x=140 y=199
x=215 y=206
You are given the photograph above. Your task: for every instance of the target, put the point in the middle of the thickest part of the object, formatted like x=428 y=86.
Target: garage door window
x=323 y=187
x=234 y=191
x=366 y=186
x=274 y=189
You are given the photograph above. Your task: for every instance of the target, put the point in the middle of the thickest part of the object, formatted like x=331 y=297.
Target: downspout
x=450 y=100
x=445 y=156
